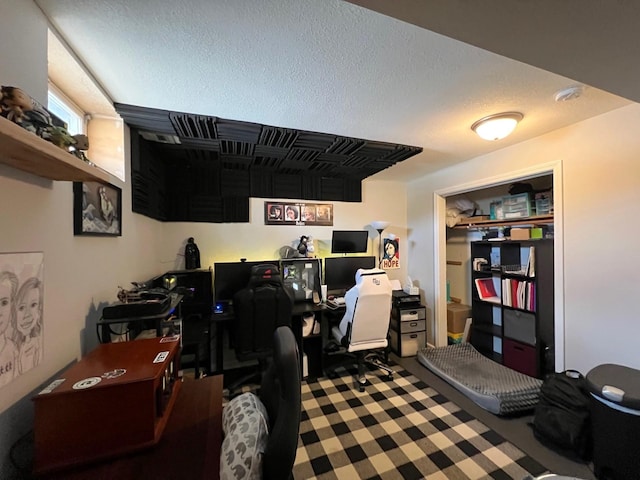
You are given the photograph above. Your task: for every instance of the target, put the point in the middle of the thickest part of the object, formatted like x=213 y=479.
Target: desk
x=189 y=447
x=313 y=345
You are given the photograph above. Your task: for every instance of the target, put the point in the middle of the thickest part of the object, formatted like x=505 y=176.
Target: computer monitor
x=231 y=277
x=349 y=241
x=340 y=272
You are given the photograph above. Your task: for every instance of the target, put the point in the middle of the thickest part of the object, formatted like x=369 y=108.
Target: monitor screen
x=340 y=272
x=349 y=241
x=231 y=277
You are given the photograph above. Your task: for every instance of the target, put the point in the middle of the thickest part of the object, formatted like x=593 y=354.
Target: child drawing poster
x=391 y=256
x=21 y=308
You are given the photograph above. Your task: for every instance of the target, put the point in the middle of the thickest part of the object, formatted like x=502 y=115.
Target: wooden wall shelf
x=21 y=149
x=470 y=223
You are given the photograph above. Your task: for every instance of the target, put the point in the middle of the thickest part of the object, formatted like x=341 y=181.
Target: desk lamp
x=380 y=225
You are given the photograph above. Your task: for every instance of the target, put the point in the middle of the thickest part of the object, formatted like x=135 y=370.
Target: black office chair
x=280 y=393
x=259 y=309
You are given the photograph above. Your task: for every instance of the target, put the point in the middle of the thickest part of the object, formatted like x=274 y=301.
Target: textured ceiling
x=590 y=40
x=319 y=66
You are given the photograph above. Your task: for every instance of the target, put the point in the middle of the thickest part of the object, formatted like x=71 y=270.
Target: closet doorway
x=554 y=170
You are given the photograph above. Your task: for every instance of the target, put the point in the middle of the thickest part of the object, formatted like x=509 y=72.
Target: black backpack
x=562 y=420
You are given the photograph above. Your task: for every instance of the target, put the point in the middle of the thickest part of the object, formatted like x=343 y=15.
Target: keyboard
x=337 y=302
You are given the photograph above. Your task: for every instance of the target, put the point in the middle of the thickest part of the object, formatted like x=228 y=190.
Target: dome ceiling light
x=498 y=126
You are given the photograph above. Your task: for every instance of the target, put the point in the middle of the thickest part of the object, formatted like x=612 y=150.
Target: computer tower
x=301 y=277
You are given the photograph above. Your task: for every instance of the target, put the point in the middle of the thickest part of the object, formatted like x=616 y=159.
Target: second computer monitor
x=231 y=277
x=340 y=272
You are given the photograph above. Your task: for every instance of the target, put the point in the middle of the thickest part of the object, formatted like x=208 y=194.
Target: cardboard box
x=457 y=314
x=520 y=234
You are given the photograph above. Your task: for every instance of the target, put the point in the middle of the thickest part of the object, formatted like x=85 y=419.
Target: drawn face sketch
x=28 y=311
x=7 y=292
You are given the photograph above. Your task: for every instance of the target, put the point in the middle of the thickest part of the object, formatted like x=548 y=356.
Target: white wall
x=256 y=241
x=601 y=187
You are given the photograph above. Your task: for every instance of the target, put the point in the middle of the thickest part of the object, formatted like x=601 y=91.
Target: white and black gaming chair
x=364 y=328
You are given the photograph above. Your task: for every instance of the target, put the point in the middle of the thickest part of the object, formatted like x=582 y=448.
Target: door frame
x=440 y=250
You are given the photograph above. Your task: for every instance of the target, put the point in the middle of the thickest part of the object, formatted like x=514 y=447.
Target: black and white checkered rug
x=399 y=429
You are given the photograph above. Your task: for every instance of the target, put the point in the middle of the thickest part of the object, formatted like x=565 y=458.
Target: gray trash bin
x=615 y=421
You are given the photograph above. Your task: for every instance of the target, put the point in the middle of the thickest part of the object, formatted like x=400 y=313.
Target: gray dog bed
x=494 y=387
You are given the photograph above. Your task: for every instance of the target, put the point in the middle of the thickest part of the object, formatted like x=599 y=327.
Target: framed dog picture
x=97 y=209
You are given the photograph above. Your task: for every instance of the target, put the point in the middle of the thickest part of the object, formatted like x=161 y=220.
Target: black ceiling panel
x=238 y=131
x=261 y=183
x=219 y=161
x=287 y=185
x=235 y=183
x=146 y=119
x=277 y=137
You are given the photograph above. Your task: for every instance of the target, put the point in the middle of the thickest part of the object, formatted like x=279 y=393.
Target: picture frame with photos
x=298 y=213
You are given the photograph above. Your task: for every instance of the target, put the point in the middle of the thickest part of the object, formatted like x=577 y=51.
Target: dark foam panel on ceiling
x=188 y=167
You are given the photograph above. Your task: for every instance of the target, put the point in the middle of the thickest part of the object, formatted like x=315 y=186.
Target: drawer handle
x=413 y=312
x=413 y=324
x=414 y=335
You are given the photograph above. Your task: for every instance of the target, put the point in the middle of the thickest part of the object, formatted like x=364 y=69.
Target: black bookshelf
x=513 y=303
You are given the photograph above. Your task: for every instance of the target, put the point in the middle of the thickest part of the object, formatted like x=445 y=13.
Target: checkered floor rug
x=399 y=429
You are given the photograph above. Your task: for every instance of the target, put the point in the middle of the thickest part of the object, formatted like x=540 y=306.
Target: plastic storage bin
x=615 y=420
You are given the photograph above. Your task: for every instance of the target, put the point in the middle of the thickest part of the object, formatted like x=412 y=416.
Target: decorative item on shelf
x=16 y=105
x=380 y=226
x=59 y=136
x=498 y=126
x=299 y=248
x=191 y=255
x=305 y=246
x=20 y=108
x=302 y=246
x=80 y=146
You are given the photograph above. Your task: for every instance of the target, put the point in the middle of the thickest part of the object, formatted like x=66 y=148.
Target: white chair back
x=368 y=310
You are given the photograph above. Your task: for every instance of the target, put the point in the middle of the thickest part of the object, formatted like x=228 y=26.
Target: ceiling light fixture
x=498 y=126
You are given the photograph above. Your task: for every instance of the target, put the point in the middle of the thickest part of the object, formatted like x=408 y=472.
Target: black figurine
x=191 y=255
x=302 y=246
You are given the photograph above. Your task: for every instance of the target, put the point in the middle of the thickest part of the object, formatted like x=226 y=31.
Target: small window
x=64 y=109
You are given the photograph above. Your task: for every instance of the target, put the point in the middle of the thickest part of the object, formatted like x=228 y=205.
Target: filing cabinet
x=408 y=329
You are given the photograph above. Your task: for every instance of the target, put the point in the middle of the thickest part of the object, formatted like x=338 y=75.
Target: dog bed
x=493 y=386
